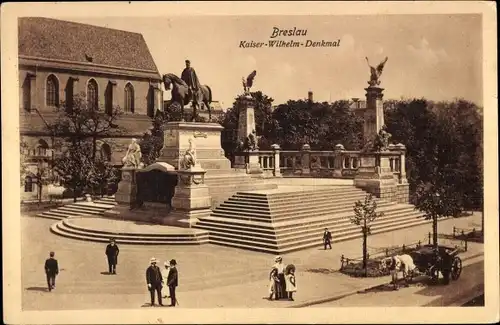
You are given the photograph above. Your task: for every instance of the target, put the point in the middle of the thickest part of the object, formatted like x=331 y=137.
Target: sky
x=438 y=56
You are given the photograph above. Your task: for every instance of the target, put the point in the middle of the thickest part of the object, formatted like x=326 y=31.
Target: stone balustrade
x=337 y=163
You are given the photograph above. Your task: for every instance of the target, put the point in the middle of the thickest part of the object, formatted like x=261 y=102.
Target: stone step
x=50 y=216
x=244 y=207
x=285 y=200
x=60 y=215
x=218 y=240
x=68 y=225
x=88 y=207
x=71 y=210
x=318 y=242
x=62 y=231
x=326 y=210
x=282 y=229
x=307 y=231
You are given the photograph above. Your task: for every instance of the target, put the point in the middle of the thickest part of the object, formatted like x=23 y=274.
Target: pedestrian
x=51 y=271
x=112 y=254
x=154 y=279
x=281 y=292
x=273 y=284
x=327 y=238
x=291 y=285
x=165 y=275
x=172 y=282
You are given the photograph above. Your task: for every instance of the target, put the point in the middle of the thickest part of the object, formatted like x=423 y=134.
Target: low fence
x=380 y=253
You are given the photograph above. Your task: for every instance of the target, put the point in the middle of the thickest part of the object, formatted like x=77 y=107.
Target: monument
x=376 y=171
x=247 y=136
x=191 y=200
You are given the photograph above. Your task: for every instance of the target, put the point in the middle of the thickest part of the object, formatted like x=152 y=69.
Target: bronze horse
x=180 y=94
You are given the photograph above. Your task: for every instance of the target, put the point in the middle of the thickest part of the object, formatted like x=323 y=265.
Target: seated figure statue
x=133 y=156
x=189 y=159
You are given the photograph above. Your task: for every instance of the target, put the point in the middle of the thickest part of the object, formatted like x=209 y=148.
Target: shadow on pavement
x=323 y=271
x=41 y=289
x=106 y=273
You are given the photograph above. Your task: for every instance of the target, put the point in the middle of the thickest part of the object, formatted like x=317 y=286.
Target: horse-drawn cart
x=430 y=263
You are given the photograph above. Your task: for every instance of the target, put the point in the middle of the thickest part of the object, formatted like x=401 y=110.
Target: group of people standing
x=282 y=283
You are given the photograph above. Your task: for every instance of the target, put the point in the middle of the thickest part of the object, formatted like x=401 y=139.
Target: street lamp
x=434 y=220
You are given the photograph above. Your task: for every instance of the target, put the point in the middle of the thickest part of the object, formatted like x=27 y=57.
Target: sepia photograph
x=238 y=162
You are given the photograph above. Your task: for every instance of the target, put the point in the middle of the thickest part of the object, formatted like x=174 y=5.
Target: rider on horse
x=191 y=79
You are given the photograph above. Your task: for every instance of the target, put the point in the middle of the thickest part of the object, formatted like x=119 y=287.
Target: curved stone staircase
x=101 y=230
x=278 y=222
x=81 y=208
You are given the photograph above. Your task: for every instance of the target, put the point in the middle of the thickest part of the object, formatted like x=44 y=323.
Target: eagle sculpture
x=247 y=84
x=375 y=73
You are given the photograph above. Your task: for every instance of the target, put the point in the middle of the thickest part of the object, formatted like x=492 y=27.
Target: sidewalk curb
x=353 y=292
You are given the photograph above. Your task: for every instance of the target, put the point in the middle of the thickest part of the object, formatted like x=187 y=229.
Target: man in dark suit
x=172 y=282
x=327 y=238
x=112 y=254
x=154 y=279
x=51 y=270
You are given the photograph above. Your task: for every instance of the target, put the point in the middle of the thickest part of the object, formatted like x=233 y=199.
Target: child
x=291 y=287
x=273 y=284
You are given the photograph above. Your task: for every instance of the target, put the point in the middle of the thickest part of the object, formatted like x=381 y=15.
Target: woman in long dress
x=273 y=284
x=281 y=293
x=291 y=285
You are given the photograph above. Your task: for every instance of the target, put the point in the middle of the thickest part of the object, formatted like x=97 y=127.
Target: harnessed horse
x=399 y=263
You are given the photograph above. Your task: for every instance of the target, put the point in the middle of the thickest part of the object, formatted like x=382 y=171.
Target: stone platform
x=100 y=229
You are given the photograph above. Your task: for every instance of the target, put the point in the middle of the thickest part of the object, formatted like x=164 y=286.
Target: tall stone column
x=374 y=113
x=305 y=161
x=246 y=126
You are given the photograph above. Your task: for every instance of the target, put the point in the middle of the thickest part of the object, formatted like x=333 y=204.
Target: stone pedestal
x=206 y=138
x=192 y=200
x=246 y=118
x=375 y=176
x=374 y=113
x=127 y=187
x=253 y=165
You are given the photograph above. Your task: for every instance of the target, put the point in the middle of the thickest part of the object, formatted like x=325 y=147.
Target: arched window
x=129 y=98
x=106 y=152
x=52 y=91
x=92 y=95
x=28 y=184
x=27 y=94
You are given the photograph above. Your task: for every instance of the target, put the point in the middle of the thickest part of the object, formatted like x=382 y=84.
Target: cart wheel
x=456 y=268
x=434 y=274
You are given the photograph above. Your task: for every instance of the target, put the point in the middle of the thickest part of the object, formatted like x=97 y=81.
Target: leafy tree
x=152 y=140
x=364 y=214
x=103 y=174
x=77 y=168
x=433 y=201
x=77 y=122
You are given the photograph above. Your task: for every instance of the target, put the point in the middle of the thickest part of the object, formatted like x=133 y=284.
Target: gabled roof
x=81 y=43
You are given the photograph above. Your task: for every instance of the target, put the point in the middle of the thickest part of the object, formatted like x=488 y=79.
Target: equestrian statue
x=188 y=89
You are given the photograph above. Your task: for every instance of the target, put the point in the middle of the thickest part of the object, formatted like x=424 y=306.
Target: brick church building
x=59 y=59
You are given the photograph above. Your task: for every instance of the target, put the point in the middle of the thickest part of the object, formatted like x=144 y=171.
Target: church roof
x=54 y=39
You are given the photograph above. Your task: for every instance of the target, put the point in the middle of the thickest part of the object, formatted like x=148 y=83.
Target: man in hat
x=327 y=238
x=154 y=279
x=51 y=270
x=189 y=76
x=172 y=282
x=112 y=254
x=165 y=275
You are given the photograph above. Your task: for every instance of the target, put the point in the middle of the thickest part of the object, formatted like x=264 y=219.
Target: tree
x=152 y=140
x=76 y=122
x=77 y=168
x=43 y=174
x=364 y=214
x=430 y=200
x=103 y=174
